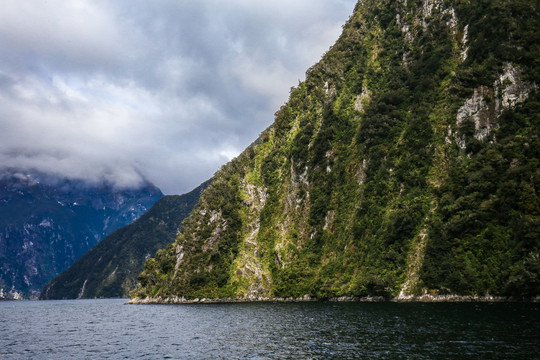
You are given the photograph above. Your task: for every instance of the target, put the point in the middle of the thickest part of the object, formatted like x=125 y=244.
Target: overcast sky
x=167 y=90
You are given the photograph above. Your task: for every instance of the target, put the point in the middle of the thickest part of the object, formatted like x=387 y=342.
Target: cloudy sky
x=167 y=90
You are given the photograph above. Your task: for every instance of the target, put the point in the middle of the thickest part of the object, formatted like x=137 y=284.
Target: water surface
x=108 y=329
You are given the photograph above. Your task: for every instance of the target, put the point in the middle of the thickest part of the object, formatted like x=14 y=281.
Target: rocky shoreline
x=307 y=298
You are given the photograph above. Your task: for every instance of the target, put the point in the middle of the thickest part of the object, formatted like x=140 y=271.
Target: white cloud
x=166 y=90
x=67 y=35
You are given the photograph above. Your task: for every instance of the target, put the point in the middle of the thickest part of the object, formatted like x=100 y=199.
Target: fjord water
x=101 y=329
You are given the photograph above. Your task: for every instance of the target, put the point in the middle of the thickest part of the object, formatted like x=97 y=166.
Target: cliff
x=407 y=163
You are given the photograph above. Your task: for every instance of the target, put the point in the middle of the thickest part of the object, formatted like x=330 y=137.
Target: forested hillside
x=406 y=163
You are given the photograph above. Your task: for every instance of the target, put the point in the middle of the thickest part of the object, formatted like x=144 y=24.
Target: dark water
x=102 y=329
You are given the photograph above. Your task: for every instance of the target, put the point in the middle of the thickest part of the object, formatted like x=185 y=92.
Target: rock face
x=406 y=164
x=111 y=267
x=47 y=223
x=488 y=103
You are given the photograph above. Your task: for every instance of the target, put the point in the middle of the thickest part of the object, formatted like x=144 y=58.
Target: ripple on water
x=96 y=329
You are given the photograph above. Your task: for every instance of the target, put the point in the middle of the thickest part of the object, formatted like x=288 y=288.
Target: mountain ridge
x=110 y=268
x=48 y=222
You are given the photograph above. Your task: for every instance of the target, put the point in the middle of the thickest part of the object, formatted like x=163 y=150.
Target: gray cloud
x=167 y=90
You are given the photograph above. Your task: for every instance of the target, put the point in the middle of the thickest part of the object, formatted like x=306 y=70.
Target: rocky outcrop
x=486 y=105
x=251 y=274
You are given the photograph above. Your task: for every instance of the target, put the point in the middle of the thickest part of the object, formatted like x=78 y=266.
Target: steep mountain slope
x=406 y=163
x=47 y=223
x=110 y=268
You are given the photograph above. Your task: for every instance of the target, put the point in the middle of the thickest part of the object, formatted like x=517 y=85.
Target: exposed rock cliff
x=407 y=163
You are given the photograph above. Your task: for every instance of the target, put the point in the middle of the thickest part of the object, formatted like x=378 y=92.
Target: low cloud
x=161 y=90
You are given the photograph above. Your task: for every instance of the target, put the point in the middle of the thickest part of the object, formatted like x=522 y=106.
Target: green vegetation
x=386 y=172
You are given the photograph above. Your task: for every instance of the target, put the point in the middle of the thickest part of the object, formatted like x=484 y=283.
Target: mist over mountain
x=98 y=90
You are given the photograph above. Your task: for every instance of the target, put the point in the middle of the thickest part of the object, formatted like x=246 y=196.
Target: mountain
x=46 y=223
x=110 y=268
x=406 y=164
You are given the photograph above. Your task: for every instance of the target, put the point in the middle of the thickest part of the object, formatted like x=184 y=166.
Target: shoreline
x=307 y=298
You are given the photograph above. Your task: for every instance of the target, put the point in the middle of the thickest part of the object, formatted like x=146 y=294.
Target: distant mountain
x=406 y=164
x=110 y=268
x=46 y=223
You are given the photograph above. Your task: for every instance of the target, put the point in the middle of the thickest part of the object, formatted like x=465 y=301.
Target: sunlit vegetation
x=363 y=164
